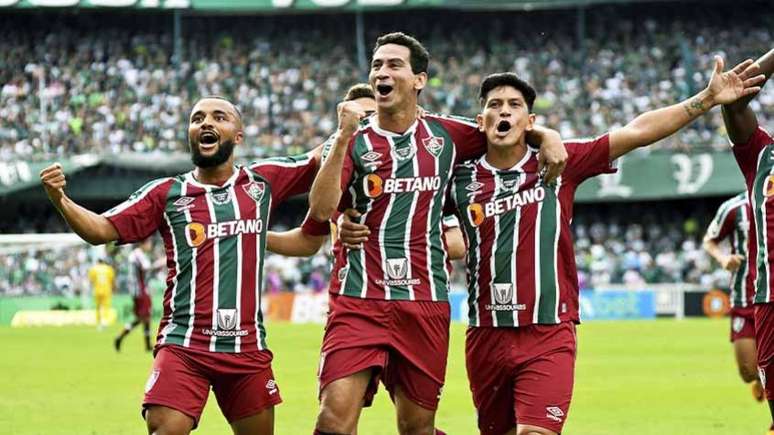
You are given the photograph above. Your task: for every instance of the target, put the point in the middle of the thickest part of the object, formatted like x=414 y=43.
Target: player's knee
x=334 y=418
x=159 y=423
x=416 y=425
x=533 y=430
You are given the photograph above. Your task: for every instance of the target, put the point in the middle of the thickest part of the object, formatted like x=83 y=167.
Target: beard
x=221 y=156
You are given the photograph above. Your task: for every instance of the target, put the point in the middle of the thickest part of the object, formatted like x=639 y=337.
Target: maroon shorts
x=243 y=383
x=406 y=342
x=142 y=306
x=764 y=340
x=742 y=323
x=521 y=375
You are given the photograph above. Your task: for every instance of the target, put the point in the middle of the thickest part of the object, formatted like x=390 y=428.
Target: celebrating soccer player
x=752 y=147
x=389 y=315
x=213 y=221
x=523 y=284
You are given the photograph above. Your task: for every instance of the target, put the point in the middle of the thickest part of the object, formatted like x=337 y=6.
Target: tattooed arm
x=649 y=127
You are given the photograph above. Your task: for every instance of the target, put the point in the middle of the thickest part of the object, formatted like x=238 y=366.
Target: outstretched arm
x=738 y=117
x=91 y=227
x=293 y=243
x=649 y=127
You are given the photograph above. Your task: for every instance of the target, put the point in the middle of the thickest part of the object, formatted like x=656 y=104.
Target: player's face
x=213 y=130
x=368 y=105
x=394 y=84
x=505 y=117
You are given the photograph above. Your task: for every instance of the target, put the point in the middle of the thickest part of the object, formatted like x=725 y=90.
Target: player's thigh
x=242 y=395
x=744 y=350
x=176 y=382
x=543 y=385
x=413 y=418
x=525 y=429
x=256 y=424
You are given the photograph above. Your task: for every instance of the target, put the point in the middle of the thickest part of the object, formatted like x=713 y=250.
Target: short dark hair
x=496 y=80
x=420 y=57
x=218 y=97
x=360 y=90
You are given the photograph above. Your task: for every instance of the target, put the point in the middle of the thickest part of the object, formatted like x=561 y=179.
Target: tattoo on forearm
x=695 y=106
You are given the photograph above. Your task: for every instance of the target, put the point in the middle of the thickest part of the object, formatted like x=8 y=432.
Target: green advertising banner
x=665 y=175
x=19 y=175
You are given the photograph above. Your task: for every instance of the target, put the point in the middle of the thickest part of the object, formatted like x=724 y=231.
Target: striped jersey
x=756 y=160
x=520 y=260
x=139 y=269
x=732 y=221
x=398 y=183
x=215 y=239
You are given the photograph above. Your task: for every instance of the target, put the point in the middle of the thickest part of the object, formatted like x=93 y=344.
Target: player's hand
x=741 y=81
x=350 y=114
x=552 y=158
x=53 y=179
x=732 y=262
x=351 y=234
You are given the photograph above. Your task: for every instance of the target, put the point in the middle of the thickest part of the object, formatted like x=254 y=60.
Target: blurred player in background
x=102 y=277
x=732 y=222
x=752 y=147
x=213 y=221
x=140 y=268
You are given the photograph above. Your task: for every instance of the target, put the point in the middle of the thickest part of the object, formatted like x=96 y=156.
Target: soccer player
x=139 y=271
x=389 y=314
x=522 y=280
x=102 y=278
x=213 y=221
x=732 y=222
x=752 y=147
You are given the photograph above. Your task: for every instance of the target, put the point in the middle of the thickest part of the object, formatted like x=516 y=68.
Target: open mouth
x=383 y=90
x=503 y=127
x=208 y=138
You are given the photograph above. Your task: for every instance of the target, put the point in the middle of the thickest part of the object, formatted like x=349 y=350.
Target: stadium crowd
x=89 y=83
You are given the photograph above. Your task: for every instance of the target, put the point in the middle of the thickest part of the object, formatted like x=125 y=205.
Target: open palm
x=727 y=87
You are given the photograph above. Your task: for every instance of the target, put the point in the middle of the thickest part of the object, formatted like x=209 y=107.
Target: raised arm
x=326 y=190
x=91 y=227
x=652 y=126
x=738 y=117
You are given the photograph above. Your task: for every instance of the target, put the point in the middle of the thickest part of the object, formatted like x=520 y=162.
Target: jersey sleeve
x=287 y=176
x=469 y=143
x=587 y=158
x=746 y=154
x=140 y=216
x=722 y=224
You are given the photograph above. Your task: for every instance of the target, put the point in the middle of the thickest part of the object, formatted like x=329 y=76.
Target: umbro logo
x=184 y=203
x=371 y=156
x=554 y=413
x=474 y=186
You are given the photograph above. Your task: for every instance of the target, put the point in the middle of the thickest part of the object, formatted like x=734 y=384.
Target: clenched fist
x=53 y=179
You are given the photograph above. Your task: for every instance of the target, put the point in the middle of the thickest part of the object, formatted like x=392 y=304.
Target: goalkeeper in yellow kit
x=102 y=277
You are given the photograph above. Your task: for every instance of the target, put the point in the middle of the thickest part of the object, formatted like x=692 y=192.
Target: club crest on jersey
x=183 y=203
x=220 y=198
x=227 y=319
x=406 y=152
x=503 y=293
x=434 y=145
x=255 y=189
x=271 y=386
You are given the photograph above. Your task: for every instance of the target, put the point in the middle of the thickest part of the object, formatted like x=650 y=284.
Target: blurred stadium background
x=105 y=86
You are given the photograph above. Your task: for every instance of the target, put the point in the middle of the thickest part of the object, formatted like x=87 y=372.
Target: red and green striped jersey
x=756 y=160
x=398 y=183
x=520 y=260
x=215 y=239
x=732 y=221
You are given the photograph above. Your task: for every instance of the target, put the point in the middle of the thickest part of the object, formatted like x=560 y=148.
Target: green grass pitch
x=662 y=377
